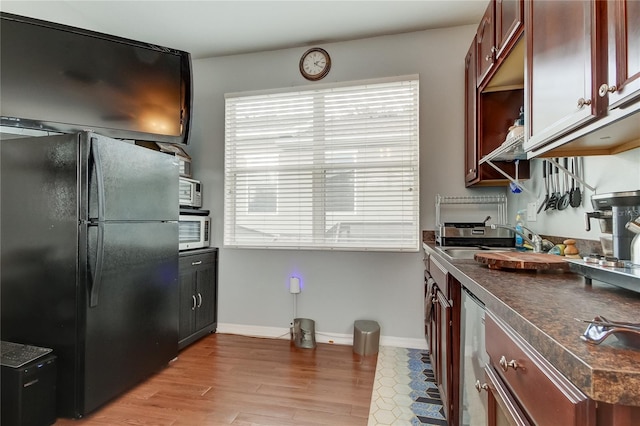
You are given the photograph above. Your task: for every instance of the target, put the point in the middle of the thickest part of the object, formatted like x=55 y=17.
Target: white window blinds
x=328 y=168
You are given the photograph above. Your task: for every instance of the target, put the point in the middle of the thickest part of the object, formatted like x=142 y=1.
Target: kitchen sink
x=461 y=253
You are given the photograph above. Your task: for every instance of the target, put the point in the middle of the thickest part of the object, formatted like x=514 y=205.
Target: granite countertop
x=542 y=306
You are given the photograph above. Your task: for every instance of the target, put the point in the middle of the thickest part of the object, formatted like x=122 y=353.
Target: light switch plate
x=532 y=212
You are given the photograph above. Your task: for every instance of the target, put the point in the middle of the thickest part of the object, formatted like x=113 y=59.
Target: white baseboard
x=321 y=337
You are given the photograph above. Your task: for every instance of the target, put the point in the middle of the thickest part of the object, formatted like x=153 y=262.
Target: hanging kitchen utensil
x=563 y=202
x=553 y=199
x=543 y=204
x=515 y=188
x=576 y=194
x=573 y=182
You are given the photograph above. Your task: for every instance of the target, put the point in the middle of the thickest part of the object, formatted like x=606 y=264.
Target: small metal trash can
x=304 y=333
x=366 y=337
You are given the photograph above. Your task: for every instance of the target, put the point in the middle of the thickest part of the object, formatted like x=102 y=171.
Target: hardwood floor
x=225 y=379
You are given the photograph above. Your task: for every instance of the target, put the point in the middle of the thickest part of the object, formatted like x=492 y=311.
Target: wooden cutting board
x=517 y=260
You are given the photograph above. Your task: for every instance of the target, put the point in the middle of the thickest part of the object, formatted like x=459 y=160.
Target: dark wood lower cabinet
x=198 y=295
x=443 y=335
x=522 y=386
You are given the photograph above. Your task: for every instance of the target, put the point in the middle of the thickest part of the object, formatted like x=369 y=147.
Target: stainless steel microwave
x=194 y=232
x=190 y=192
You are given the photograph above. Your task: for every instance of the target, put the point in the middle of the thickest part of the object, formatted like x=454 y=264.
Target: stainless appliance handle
x=97 y=164
x=96 y=277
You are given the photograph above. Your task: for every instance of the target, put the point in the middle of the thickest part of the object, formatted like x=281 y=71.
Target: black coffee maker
x=614 y=210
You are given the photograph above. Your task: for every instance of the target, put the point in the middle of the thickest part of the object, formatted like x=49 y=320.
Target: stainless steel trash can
x=366 y=337
x=304 y=333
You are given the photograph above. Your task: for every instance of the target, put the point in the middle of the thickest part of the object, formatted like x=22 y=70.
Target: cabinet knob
x=480 y=386
x=582 y=102
x=472 y=170
x=506 y=364
x=605 y=88
x=488 y=58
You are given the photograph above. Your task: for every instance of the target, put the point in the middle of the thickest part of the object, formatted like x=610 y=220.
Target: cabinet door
x=434 y=333
x=205 y=296
x=485 y=41
x=509 y=18
x=471 y=118
x=187 y=299
x=623 y=34
x=561 y=50
x=445 y=352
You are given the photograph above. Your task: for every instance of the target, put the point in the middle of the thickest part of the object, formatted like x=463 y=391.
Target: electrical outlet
x=532 y=212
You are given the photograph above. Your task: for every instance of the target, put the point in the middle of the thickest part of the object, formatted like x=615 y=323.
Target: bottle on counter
x=519 y=225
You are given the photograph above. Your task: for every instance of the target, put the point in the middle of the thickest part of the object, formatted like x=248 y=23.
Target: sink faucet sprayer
x=535 y=240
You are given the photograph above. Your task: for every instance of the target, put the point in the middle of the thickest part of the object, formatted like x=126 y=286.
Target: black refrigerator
x=89 y=253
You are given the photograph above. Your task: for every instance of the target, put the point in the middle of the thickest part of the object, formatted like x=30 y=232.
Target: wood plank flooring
x=226 y=379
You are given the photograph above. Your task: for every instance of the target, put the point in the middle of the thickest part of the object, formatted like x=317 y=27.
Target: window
x=333 y=167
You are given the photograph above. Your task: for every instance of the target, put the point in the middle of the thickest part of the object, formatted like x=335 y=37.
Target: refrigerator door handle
x=97 y=164
x=96 y=277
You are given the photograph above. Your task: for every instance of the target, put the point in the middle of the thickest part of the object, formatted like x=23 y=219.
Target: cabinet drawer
x=545 y=395
x=196 y=259
x=440 y=275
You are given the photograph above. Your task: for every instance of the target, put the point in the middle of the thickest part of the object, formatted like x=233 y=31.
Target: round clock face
x=315 y=64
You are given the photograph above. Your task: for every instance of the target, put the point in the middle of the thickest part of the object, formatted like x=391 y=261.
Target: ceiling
x=208 y=28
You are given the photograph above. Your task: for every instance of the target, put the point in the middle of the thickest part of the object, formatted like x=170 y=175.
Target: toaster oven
x=190 y=193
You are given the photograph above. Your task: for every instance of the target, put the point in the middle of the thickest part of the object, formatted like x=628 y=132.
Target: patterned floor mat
x=404 y=390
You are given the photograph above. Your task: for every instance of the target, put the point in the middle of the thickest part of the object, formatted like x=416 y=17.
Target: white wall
x=606 y=173
x=339 y=287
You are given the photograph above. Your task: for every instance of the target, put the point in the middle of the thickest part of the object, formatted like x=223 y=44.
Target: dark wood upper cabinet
x=471 y=118
x=583 y=68
x=509 y=21
x=561 y=52
x=486 y=46
x=494 y=90
x=623 y=36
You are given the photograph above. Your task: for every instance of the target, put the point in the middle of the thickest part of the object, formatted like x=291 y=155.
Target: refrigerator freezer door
x=39 y=249
x=132 y=331
x=130 y=183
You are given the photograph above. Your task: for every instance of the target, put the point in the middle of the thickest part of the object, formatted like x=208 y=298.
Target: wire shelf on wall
x=499 y=201
x=512 y=149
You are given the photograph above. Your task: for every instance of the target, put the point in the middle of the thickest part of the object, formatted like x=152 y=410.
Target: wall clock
x=315 y=64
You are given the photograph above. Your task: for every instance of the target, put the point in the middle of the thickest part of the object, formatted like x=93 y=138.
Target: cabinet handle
x=193 y=306
x=479 y=387
x=605 y=88
x=472 y=170
x=506 y=364
x=199 y=300
x=197 y=262
x=582 y=102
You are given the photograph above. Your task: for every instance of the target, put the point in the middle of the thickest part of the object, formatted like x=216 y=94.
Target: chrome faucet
x=535 y=240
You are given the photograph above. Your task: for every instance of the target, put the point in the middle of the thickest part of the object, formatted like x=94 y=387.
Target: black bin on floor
x=28 y=385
